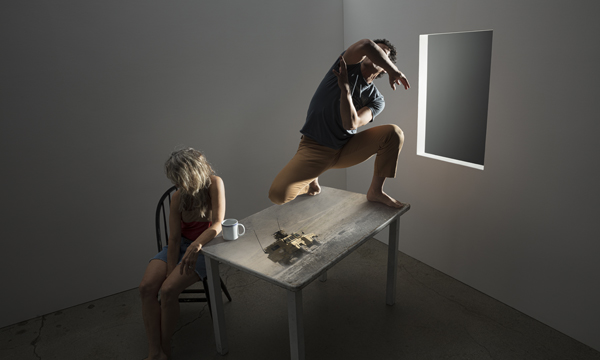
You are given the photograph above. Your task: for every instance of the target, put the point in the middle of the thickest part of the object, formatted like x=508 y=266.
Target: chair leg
x=205 y=284
x=224 y=288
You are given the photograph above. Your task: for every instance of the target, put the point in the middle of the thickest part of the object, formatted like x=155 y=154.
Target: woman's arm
x=217 y=196
x=174 y=233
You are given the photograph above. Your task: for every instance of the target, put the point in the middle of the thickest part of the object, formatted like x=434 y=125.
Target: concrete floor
x=435 y=317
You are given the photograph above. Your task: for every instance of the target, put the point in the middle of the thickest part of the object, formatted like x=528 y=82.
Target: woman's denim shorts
x=200 y=264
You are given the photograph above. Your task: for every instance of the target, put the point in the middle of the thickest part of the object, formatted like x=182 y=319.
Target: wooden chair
x=162 y=222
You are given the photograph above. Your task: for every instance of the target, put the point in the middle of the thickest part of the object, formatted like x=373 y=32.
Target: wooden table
x=321 y=230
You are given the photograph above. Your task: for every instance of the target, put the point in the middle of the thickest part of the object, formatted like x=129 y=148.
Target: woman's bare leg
x=169 y=304
x=154 y=277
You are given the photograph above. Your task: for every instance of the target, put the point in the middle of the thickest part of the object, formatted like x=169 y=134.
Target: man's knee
x=396 y=134
x=277 y=194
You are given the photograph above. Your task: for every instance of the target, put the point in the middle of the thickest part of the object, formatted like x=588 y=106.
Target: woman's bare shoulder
x=176 y=198
x=216 y=182
x=176 y=194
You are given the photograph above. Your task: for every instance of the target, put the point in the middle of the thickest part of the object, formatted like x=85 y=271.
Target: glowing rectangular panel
x=454 y=78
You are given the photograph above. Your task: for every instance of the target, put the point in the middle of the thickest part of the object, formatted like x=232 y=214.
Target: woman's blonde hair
x=189 y=170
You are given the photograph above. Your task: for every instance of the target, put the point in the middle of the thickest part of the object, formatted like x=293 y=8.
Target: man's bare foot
x=380 y=196
x=314 y=188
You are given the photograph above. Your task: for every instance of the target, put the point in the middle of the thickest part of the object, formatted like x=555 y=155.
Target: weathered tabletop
x=341 y=221
x=293 y=244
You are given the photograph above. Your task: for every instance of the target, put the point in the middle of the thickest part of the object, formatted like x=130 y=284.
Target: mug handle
x=243 y=228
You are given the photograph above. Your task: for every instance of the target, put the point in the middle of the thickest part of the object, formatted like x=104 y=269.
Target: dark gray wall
x=95 y=95
x=524 y=230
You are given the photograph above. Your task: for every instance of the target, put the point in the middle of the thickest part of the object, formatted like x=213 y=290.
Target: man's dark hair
x=391 y=56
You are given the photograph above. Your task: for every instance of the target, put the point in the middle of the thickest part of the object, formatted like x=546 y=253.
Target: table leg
x=296 y=324
x=392 y=261
x=216 y=301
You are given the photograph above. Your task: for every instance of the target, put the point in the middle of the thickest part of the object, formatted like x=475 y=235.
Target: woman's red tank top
x=191 y=230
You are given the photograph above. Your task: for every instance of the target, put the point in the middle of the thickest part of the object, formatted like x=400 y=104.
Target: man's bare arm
x=351 y=119
x=367 y=48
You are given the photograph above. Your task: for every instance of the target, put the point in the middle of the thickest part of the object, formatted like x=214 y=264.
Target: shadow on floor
x=435 y=317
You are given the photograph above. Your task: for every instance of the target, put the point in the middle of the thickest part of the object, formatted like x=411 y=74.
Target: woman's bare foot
x=380 y=196
x=314 y=188
x=160 y=356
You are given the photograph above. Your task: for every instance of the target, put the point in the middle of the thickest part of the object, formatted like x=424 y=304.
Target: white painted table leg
x=392 y=261
x=296 y=324
x=216 y=302
x=323 y=277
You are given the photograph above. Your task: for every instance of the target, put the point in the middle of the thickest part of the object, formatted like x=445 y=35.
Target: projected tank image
x=288 y=248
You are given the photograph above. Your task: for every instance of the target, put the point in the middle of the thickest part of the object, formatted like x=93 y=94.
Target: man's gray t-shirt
x=323 y=120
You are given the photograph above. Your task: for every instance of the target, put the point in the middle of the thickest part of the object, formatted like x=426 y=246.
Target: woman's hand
x=188 y=261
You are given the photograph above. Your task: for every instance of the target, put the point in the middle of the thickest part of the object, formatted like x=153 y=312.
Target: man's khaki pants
x=313 y=159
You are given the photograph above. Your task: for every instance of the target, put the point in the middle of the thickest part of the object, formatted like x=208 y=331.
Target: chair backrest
x=162 y=218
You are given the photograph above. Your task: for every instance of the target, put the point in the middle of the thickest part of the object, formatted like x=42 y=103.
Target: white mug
x=231 y=229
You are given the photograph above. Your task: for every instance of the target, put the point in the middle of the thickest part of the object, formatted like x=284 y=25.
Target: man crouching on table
x=345 y=100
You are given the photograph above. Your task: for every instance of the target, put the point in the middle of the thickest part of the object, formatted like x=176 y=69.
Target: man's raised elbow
x=366 y=42
x=349 y=127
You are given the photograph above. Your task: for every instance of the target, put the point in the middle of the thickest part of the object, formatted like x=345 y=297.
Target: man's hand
x=342 y=75
x=398 y=78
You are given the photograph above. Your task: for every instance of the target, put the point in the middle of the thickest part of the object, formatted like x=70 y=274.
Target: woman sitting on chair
x=197 y=210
